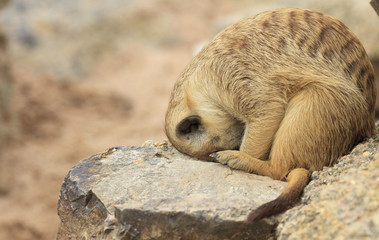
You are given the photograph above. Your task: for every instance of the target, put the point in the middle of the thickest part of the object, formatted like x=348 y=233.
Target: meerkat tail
x=297 y=179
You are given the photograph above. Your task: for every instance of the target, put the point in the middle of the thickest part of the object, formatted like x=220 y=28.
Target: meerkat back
x=281 y=94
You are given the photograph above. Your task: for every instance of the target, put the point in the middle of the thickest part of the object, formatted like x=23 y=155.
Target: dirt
x=122 y=102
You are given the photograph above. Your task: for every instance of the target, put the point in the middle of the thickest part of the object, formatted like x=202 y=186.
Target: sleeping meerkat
x=280 y=94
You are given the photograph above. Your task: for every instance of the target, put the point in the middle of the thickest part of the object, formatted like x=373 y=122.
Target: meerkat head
x=199 y=135
x=196 y=123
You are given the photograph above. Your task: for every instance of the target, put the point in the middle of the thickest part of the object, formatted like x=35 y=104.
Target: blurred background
x=80 y=76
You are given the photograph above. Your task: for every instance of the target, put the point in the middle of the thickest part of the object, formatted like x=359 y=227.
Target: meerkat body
x=281 y=94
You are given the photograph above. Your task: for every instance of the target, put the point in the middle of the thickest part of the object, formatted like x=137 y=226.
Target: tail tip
x=254 y=216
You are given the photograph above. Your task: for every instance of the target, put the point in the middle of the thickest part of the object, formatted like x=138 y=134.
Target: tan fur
x=281 y=94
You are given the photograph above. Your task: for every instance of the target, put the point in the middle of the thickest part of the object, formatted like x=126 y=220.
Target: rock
x=155 y=192
x=340 y=202
x=158 y=193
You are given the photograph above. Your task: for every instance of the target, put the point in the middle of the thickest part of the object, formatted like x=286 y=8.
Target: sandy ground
x=122 y=102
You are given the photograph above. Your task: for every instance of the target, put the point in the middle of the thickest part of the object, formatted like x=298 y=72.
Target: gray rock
x=158 y=193
x=341 y=202
x=154 y=192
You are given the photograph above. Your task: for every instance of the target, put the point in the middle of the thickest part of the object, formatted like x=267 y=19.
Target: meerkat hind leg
x=314 y=132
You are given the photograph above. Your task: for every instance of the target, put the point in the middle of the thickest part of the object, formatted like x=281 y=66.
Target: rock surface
x=158 y=193
x=154 y=192
x=341 y=202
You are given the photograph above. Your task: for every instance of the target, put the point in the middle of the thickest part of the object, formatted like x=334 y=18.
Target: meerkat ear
x=188 y=125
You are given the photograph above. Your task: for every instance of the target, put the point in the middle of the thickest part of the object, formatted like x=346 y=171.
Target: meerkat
x=280 y=94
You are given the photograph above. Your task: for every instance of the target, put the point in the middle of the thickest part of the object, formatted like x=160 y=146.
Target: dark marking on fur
x=292 y=24
x=215 y=139
x=328 y=54
x=282 y=43
x=274 y=18
x=322 y=33
x=371 y=78
x=348 y=46
x=307 y=19
x=362 y=74
x=312 y=50
x=302 y=42
x=266 y=24
x=360 y=85
x=351 y=68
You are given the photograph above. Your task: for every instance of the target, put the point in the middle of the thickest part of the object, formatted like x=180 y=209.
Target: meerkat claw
x=214 y=155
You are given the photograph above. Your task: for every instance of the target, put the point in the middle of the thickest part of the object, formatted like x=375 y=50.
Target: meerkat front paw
x=234 y=159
